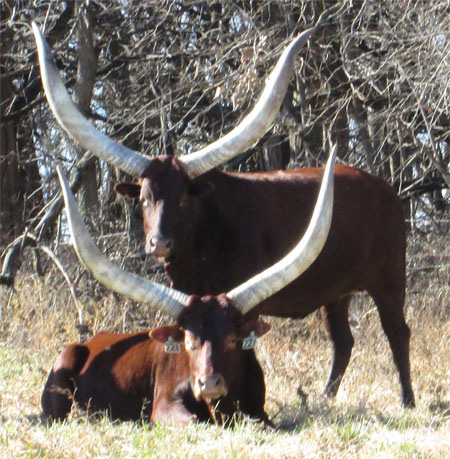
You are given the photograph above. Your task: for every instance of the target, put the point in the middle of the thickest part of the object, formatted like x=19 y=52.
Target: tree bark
x=82 y=94
x=11 y=205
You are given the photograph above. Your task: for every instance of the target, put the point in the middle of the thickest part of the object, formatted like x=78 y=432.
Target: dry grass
x=366 y=419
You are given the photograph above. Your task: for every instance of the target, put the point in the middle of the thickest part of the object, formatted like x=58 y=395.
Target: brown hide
x=215 y=230
x=132 y=377
x=222 y=228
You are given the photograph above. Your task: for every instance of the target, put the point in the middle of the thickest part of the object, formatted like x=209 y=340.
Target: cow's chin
x=163 y=261
x=210 y=397
x=168 y=259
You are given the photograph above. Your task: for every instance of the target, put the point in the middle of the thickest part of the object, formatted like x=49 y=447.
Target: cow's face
x=212 y=332
x=167 y=197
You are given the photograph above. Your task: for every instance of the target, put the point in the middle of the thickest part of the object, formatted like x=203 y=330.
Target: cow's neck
x=200 y=267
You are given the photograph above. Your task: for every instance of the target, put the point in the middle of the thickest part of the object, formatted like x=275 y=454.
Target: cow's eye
x=230 y=342
x=146 y=203
x=190 y=344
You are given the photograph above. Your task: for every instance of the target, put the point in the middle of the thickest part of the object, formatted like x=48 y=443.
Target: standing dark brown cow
x=214 y=229
x=132 y=375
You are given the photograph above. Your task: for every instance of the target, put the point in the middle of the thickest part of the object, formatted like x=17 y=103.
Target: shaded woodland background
x=167 y=77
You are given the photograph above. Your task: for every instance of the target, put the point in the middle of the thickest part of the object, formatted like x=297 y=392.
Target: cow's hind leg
x=335 y=318
x=59 y=389
x=390 y=308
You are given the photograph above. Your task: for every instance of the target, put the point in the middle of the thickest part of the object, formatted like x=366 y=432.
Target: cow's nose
x=212 y=386
x=160 y=246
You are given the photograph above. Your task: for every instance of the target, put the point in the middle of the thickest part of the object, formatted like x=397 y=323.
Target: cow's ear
x=162 y=334
x=197 y=189
x=259 y=327
x=129 y=190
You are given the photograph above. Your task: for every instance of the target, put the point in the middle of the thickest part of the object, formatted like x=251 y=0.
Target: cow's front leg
x=172 y=412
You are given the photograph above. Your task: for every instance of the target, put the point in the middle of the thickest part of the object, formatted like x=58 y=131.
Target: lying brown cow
x=132 y=375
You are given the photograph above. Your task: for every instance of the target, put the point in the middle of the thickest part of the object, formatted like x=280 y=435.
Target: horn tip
x=36 y=29
x=40 y=40
x=59 y=170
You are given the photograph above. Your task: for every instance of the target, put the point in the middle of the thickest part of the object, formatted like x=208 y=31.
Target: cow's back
x=251 y=220
x=110 y=372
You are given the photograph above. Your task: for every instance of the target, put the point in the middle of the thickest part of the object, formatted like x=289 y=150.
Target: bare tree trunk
x=11 y=196
x=11 y=204
x=87 y=67
x=360 y=116
x=275 y=153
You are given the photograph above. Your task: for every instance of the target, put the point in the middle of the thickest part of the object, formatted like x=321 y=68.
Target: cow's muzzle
x=211 y=387
x=159 y=246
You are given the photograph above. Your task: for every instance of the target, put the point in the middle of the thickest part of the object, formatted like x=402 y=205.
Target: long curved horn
x=243 y=136
x=137 y=288
x=270 y=281
x=256 y=123
x=75 y=124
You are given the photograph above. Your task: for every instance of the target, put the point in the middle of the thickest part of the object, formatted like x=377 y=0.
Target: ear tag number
x=171 y=346
x=249 y=342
